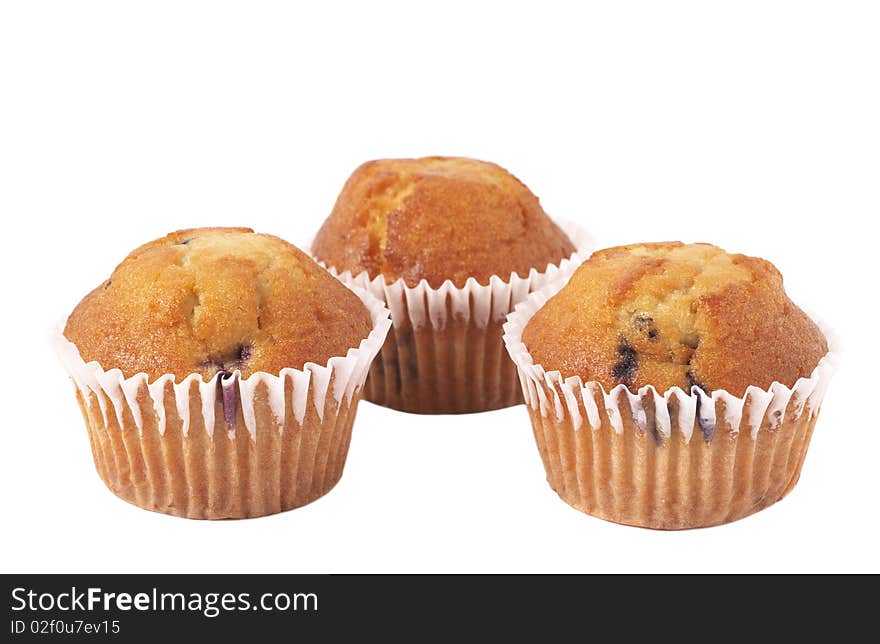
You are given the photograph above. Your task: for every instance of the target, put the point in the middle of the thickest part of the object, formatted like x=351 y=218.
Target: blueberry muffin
x=425 y=232
x=218 y=371
x=675 y=315
x=670 y=386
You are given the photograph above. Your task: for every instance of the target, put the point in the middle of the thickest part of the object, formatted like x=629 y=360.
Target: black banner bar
x=139 y=607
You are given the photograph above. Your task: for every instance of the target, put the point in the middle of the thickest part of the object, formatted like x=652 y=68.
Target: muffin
x=700 y=379
x=218 y=372
x=451 y=245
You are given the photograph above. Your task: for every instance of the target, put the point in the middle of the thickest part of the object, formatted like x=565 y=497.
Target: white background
x=753 y=125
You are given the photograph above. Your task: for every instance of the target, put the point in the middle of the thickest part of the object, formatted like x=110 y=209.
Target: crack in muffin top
x=438 y=218
x=213 y=300
x=669 y=314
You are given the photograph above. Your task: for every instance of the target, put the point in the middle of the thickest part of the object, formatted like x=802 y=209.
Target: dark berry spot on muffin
x=707 y=427
x=229 y=396
x=412 y=365
x=627 y=362
x=107 y=284
x=185 y=241
x=691 y=340
x=693 y=382
x=227 y=363
x=644 y=323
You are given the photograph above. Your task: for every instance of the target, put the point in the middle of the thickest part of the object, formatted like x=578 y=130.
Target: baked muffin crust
x=669 y=314
x=209 y=300
x=438 y=218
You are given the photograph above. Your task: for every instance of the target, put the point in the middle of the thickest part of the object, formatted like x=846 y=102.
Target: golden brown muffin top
x=669 y=314
x=438 y=218
x=207 y=300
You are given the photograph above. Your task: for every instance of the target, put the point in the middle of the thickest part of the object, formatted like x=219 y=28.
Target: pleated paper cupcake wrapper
x=670 y=460
x=230 y=447
x=444 y=353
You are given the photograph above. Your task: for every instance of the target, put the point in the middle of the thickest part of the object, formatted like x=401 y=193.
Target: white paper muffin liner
x=156 y=443
x=597 y=458
x=444 y=353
